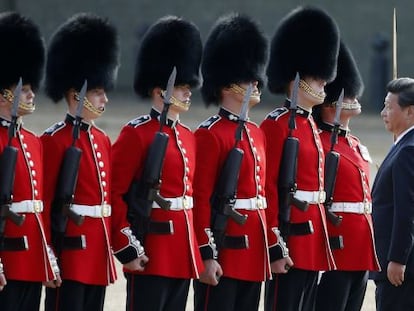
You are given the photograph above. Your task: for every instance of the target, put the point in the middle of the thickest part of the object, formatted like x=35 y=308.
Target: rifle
x=331 y=165
x=8 y=161
x=288 y=169
x=144 y=192
x=65 y=189
x=224 y=196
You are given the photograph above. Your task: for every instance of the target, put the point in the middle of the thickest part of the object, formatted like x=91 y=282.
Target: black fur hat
x=306 y=41
x=22 y=52
x=84 y=47
x=235 y=52
x=347 y=77
x=170 y=41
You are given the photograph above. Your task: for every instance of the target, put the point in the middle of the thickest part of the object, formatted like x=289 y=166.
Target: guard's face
x=97 y=99
x=393 y=115
x=182 y=93
x=26 y=105
x=255 y=97
x=26 y=99
x=311 y=92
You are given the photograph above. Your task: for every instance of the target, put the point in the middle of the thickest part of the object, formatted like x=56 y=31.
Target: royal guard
x=83 y=58
x=303 y=58
x=350 y=205
x=229 y=183
x=153 y=167
x=24 y=249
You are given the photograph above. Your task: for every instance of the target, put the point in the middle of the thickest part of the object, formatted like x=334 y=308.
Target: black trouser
x=293 y=291
x=20 y=296
x=75 y=296
x=229 y=294
x=156 y=293
x=394 y=298
x=341 y=291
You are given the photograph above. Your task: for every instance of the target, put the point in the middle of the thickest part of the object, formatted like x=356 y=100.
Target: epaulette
x=54 y=128
x=139 y=121
x=209 y=122
x=277 y=113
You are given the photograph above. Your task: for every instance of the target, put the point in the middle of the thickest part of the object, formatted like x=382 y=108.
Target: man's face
x=393 y=115
x=97 y=98
x=26 y=100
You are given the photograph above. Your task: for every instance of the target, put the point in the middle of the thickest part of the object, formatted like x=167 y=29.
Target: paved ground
x=369 y=128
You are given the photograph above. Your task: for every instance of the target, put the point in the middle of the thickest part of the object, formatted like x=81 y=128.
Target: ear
x=156 y=92
x=3 y=100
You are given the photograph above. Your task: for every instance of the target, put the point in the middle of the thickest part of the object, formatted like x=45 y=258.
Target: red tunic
x=33 y=264
x=93 y=265
x=352 y=185
x=170 y=255
x=215 y=138
x=310 y=251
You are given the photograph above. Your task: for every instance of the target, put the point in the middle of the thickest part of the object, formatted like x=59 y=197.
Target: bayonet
x=16 y=100
x=243 y=111
x=78 y=116
x=293 y=103
x=337 y=120
x=167 y=97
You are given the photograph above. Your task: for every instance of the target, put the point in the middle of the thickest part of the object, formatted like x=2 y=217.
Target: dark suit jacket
x=393 y=208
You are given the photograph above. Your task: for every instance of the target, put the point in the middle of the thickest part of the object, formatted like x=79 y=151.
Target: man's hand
x=281 y=265
x=54 y=283
x=212 y=272
x=138 y=264
x=395 y=273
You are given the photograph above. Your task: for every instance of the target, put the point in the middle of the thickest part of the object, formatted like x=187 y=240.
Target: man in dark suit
x=393 y=202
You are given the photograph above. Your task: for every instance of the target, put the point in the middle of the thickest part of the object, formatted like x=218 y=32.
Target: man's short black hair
x=404 y=88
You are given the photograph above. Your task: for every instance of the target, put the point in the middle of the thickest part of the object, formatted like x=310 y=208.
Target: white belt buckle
x=105 y=210
x=186 y=203
x=37 y=206
x=321 y=196
x=367 y=208
x=259 y=203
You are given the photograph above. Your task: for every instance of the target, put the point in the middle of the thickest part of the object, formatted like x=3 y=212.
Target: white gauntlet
x=53 y=260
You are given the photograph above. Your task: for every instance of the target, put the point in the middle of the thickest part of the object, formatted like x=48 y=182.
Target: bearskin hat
x=347 y=77
x=22 y=52
x=306 y=41
x=84 y=47
x=170 y=41
x=235 y=52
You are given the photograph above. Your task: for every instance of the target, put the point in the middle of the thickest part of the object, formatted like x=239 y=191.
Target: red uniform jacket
x=352 y=185
x=93 y=265
x=33 y=264
x=170 y=255
x=310 y=251
x=215 y=138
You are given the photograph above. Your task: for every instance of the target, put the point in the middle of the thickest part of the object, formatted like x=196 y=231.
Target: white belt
x=251 y=204
x=351 y=207
x=94 y=211
x=27 y=206
x=177 y=204
x=312 y=197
